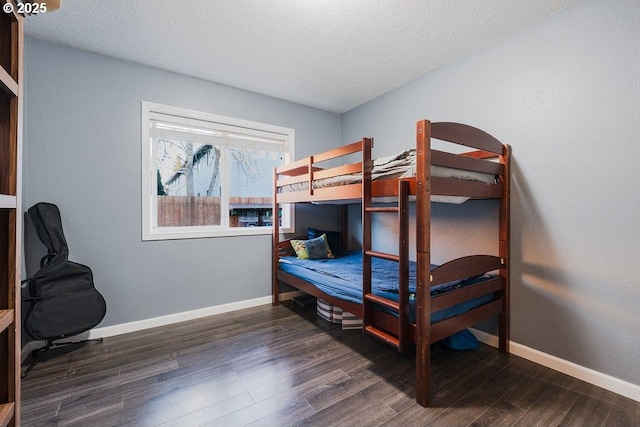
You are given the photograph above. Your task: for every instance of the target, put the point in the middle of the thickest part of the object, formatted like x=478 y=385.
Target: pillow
x=317 y=248
x=334 y=238
x=463 y=340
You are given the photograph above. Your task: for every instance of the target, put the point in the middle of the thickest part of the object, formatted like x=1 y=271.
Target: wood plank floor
x=278 y=366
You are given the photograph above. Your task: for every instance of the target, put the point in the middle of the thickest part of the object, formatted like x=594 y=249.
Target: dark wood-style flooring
x=278 y=366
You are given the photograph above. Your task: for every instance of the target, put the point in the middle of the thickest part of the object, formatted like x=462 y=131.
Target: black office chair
x=61 y=297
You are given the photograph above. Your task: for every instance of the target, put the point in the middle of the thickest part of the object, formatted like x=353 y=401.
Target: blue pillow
x=333 y=237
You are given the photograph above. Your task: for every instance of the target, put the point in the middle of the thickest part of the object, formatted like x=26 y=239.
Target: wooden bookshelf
x=11 y=98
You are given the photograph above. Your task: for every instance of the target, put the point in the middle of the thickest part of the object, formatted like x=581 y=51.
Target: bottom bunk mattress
x=341 y=277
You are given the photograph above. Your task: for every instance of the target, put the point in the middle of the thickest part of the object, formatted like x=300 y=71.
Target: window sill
x=176 y=234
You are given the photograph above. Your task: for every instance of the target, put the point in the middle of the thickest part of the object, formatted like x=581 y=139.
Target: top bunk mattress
x=397 y=166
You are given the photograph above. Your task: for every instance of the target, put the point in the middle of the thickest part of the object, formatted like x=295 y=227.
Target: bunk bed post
x=344 y=225
x=504 y=249
x=423 y=249
x=275 y=287
x=367 y=166
x=403 y=264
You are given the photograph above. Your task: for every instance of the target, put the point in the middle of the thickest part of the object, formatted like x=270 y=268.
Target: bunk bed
x=423 y=303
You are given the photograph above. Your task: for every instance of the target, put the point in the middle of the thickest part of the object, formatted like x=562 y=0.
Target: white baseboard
x=607 y=382
x=124 y=328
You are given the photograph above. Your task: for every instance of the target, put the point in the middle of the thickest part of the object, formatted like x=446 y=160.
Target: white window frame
x=150 y=229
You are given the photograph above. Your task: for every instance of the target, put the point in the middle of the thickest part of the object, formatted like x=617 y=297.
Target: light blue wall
x=82 y=152
x=565 y=93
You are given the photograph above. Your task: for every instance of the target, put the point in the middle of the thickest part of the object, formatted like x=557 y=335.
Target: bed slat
x=351 y=191
x=338 y=152
x=290 y=180
x=461 y=268
x=338 y=171
x=479 y=154
x=455 y=324
x=466 y=293
x=466 y=135
x=459 y=187
x=344 y=192
x=459 y=161
x=294 y=168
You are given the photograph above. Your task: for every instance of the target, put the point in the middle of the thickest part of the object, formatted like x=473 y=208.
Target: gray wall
x=82 y=152
x=565 y=93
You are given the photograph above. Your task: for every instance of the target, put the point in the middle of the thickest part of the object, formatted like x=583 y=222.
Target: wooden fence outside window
x=185 y=211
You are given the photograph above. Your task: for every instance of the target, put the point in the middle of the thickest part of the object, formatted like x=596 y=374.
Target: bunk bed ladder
x=401 y=307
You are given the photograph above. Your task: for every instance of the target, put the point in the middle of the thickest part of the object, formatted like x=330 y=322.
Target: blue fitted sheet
x=342 y=278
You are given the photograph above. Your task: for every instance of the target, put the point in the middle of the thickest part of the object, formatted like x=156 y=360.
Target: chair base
x=39 y=353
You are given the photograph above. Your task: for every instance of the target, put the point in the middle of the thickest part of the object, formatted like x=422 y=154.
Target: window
x=205 y=175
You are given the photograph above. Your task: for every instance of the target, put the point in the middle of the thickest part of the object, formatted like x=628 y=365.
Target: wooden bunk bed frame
x=396 y=330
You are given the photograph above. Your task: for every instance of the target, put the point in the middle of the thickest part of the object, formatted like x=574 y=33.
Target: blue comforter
x=342 y=278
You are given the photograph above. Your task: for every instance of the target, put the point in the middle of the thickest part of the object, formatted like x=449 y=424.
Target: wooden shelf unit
x=11 y=99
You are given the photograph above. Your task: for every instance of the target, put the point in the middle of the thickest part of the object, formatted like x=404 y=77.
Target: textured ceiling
x=329 y=54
